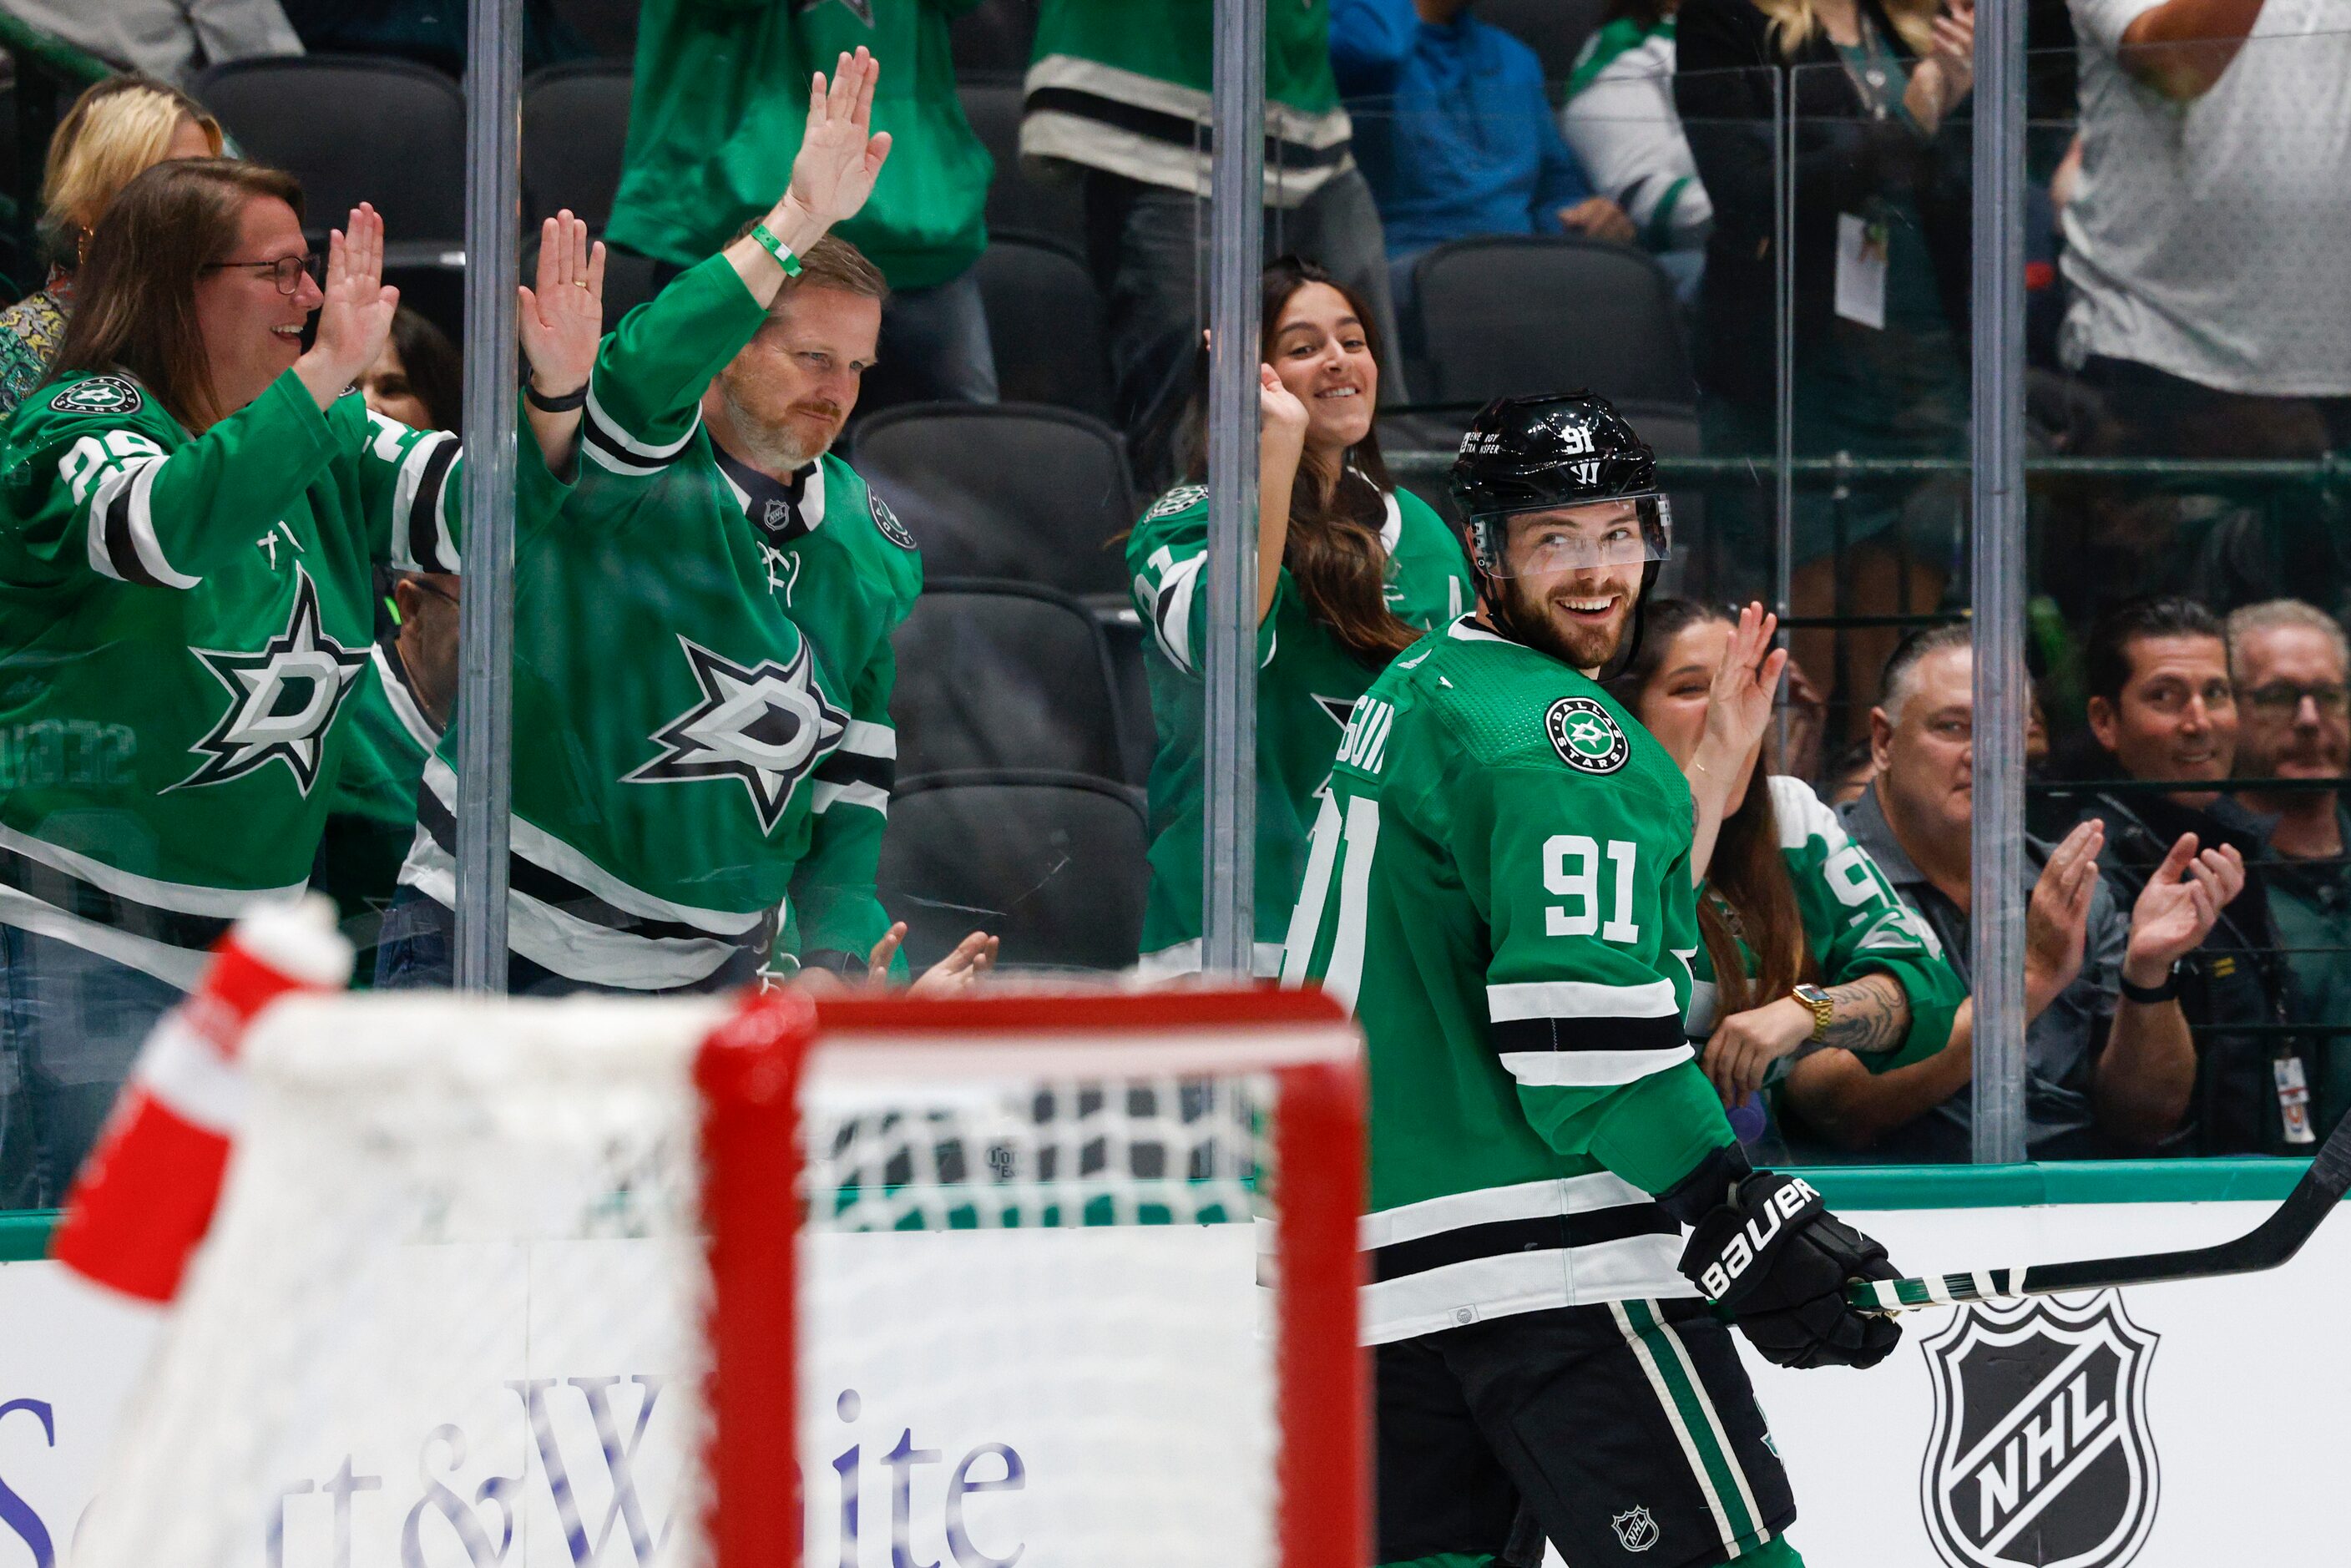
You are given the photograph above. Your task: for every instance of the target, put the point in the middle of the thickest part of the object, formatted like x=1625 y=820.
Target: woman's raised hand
x=1739 y=704
x=355 y=316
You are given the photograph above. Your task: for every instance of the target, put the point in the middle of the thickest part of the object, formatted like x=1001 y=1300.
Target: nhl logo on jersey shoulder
x=887 y=521
x=1586 y=736
x=99 y=395
x=1182 y=498
x=2040 y=1450
x=1636 y=1530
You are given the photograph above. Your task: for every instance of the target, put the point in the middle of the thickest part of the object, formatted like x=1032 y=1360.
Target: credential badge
x=1586 y=736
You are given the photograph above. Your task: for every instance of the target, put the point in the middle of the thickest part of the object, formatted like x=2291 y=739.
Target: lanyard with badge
x=1864 y=240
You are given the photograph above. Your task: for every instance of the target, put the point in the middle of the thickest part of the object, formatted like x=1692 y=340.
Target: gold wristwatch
x=1824 y=1009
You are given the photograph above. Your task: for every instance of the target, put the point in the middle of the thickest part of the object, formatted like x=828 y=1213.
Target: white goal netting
x=452 y=1309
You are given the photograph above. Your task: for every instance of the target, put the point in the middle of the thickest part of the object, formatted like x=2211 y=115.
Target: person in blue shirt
x=1455 y=131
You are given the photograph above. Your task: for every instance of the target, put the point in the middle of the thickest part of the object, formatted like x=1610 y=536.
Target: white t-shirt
x=2212 y=239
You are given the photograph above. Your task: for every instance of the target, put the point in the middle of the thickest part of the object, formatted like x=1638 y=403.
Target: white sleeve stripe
x=121 y=523
x=1590 y=1069
x=1579 y=1000
x=424 y=466
x=1171 y=610
x=610 y=433
x=868 y=738
x=866 y=795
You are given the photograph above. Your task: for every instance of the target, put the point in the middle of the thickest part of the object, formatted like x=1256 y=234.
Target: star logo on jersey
x=887 y=521
x=1586 y=739
x=99 y=395
x=861 y=9
x=1637 y=1529
x=1182 y=498
x=282 y=698
x=766 y=726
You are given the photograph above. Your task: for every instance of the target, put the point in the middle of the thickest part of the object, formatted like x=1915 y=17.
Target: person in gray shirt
x=169 y=39
x=2109 y=1062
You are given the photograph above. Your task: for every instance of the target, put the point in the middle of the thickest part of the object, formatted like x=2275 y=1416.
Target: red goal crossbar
x=749 y=1073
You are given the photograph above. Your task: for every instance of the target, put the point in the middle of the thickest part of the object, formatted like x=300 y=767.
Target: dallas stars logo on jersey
x=99 y=395
x=285 y=698
x=766 y=724
x=1586 y=736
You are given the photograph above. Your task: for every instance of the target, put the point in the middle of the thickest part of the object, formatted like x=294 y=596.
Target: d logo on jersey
x=2041 y=1451
x=99 y=395
x=766 y=724
x=1586 y=739
x=282 y=698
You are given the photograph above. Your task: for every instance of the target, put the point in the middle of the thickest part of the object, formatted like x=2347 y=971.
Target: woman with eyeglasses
x=192 y=513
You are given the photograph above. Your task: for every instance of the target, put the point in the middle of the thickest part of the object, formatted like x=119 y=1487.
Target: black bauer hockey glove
x=1770 y=1256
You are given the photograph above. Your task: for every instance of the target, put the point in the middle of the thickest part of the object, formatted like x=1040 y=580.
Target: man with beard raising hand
x=1501 y=886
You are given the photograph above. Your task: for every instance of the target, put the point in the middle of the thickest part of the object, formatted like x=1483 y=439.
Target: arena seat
x=606 y=27
x=1554 y=29
x=1046 y=320
x=1004 y=674
x=355 y=128
x=1052 y=863
x=575 y=120
x=1123 y=630
x=1007 y=490
x=1508 y=315
x=1019 y=207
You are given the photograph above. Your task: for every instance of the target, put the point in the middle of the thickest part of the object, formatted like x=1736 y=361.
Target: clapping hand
x=355 y=316
x=958 y=972
x=840 y=156
x=561 y=321
x=2179 y=905
x=2057 y=916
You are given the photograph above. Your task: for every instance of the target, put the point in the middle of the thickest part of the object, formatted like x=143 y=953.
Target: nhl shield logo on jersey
x=887 y=521
x=282 y=699
x=99 y=395
x=1586 y=736
x=2040 y=1452
x=766 y=725
x=1635 y=1530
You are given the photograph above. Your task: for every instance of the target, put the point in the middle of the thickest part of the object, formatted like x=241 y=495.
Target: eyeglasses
x=2285 y=698
x=286 y=271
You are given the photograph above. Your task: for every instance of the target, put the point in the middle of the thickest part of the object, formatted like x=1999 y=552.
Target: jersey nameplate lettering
x=887 y=521
x=99 y=395
x=1586 y=739
x=1365 y=744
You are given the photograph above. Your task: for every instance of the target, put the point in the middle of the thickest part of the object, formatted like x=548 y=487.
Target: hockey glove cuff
x=1773 y=1258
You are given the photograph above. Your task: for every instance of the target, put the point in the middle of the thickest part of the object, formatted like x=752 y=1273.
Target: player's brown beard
x=1523 y=618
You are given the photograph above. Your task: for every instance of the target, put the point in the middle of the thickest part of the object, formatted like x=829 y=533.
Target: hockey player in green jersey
x=1351 y=570
x=191 y=512
x=1501 y=884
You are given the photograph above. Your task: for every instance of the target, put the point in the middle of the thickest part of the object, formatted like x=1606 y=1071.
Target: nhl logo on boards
x=2040 y=1454
x=1635 y=1530
x=1586 y=739
x=99 y=395
x=887 y=521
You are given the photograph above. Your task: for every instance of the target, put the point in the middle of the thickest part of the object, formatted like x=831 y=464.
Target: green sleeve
x=99 y=489
x=645 y=396
x=1856 y=923
x=834 y=901
x=1592 y=916
x=1167 y=555
x=411 y=486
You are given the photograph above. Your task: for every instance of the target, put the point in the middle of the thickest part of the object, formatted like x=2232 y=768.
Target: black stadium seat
x=575 y=120
x=1052 y=863
x=1512 y=315
x=1019 y=207
x=1045 y=318
x=1008 y=490
x=355 y=128
x=1004 y=674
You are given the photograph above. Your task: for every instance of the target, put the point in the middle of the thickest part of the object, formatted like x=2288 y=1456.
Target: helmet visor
x=1542 y=540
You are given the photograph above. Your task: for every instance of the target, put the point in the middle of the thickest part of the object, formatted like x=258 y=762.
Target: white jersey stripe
x=1579 y=1000
x=867 y=738
x=649 y=455
x=823 y=796
x=1590 y=1069
x=1486 y=1205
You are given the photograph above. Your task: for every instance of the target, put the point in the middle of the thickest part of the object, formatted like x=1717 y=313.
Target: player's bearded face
x=1577 y=617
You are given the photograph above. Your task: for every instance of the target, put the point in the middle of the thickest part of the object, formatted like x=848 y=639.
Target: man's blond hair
x=831 y=263
x=114 y=132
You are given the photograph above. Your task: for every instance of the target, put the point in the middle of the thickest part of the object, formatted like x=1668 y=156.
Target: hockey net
x=1045 y=1280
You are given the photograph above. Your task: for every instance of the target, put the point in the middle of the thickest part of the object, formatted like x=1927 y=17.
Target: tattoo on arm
x=1873 y=1013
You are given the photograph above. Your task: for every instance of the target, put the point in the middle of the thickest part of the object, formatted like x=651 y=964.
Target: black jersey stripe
x=1502 y=1238
x=855 y=767
x=62 y=890
x=1175 y=129
x=122 y=546
x=423 y=513
x=1588 y=1034
x=616 y=445
x=558 y=892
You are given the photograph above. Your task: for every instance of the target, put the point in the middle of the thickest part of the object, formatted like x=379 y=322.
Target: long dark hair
x=1748 y=872
x=435 y=370
x=1333 y=551
x=135 y=295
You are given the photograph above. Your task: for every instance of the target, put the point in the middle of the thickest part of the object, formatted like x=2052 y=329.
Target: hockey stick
x=2266 y=1246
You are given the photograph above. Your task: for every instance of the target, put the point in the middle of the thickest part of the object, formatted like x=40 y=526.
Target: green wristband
x=777 y=249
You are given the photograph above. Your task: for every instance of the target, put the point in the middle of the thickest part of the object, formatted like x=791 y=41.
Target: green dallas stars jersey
x=1855 y=925
x=183 y=618
x=1499 y=886
x=1306 y=683
x=371 y=817
x=678 y=739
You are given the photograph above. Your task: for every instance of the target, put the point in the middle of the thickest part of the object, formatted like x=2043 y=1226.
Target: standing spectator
x=190 y=519
x=1455 y=131
x=1351 y=569
x=1118 y=91
x=169 y=39
x=2106 y=1072
x=2163 y=708
x=1621 y=121
x=2206 y=242
x=1881 y=232
x=2291 y=669
x=116 y=130
x=716 y=120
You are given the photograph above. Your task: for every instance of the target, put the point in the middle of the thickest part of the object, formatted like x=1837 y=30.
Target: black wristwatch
x=2148 y=996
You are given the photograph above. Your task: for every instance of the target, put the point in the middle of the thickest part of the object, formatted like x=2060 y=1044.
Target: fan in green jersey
x=1351 y=570
x=1501 y=883
x=191 y=516
x=703 y=668
x=1806 y=945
